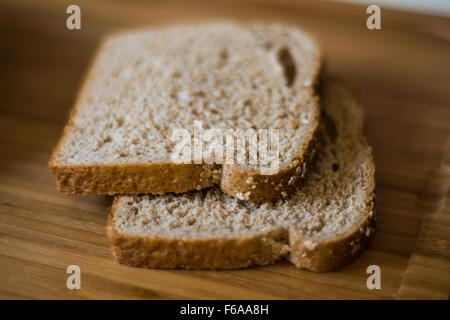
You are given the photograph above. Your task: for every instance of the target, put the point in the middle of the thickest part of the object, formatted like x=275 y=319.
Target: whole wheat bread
x=145 y=84
x=322 y=226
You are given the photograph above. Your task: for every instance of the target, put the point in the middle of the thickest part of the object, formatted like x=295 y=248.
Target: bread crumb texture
x=148 y=83
x=336 y=198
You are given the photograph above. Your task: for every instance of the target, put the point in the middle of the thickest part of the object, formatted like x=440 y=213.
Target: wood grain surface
x=401 y=74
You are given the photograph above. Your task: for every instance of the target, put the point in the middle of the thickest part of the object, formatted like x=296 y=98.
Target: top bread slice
x=322 y=226
x=146 y=84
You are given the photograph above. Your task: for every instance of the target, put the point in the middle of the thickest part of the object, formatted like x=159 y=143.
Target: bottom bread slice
x=324 y=225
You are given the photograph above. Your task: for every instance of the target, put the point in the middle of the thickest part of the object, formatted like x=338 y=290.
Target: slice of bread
x=146 y=84
x=322 y=226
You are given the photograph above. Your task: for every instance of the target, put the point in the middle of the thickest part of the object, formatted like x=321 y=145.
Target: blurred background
x=401 y=74
x=437 y=7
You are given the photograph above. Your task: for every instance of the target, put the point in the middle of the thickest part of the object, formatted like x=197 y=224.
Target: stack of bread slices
x=315 y=207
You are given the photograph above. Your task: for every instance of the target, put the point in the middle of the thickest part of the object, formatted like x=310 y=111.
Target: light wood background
x=401 y=74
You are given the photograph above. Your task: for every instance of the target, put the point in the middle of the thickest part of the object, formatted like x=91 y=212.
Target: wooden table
x=401 y=74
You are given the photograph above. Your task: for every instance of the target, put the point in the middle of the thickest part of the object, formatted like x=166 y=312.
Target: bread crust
x=201 y=253
x=319 y=255
x=333 y=253
x=136 y=178
x=253 y=186
x=329 y=254
x=159 y=178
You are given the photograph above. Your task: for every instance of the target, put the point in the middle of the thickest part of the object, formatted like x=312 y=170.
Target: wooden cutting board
x=401 y=74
